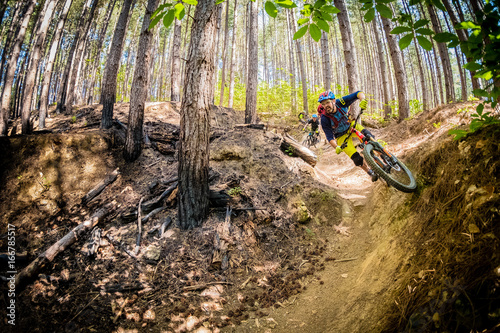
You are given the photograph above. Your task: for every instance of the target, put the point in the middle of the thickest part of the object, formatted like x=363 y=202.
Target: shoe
x=374 y=175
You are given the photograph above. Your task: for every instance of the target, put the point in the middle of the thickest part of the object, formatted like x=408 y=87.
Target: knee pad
x=357 y=159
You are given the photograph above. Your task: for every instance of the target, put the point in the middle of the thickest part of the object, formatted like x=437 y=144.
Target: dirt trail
x=346 y=296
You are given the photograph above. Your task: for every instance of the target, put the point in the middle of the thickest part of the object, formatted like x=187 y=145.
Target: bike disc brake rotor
x=388 y=161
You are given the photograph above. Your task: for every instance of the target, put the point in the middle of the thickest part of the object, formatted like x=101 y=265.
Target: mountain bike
x=382 y=162
x=311 y=140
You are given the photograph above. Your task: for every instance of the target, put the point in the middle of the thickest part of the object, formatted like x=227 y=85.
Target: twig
x=84 y=307
x=244 y=284
x=154 y=163
x=204 y=285
x=139 y=227
x=343 y=260
x=121 y=310
x=120 y=245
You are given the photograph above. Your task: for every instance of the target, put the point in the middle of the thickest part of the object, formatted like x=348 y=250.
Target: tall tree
x=233 y=61
x=195 y=121
x=349 y=47
x=383 y=68
x=399 y=70
x=224 y=58
x=47 y=73
x=108 y=92
x=139 y=93
x=305 y=106
x=325 y=56
x=12 y=64
x=253 y=66
x=176 y=63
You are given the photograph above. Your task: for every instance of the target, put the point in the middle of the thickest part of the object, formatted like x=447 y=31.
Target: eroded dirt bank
x=304 y=250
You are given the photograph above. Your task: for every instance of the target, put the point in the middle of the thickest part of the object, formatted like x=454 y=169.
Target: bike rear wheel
x=392 y=170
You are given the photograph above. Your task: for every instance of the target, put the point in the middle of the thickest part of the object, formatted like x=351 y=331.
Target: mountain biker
x=314 y=122
x=302 y=117
x=335 y=123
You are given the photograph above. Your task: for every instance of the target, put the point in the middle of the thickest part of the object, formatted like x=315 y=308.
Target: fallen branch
x=344 y=260
x=253 y=126
x=304 y=153
x=23 y=278
x=120 y=245
x=150 y=205
x=139 y=228
x=100 y=187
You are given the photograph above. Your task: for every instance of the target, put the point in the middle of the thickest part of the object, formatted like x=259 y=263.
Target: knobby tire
x=407 y=188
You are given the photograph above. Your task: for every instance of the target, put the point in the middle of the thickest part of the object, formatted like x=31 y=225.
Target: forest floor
x=302 y=250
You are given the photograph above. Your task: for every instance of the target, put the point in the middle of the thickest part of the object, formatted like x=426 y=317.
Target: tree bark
x=140 y=84
x=445 y=58
x=383 y=68
x=298 y=45
x=266 y=73
x=349 y=47
x=224 y=58
x=195 y=120
x=327 y=67
x=176 y=63
x=47 y=73
x=399 y=71
x=233 y=61
x=253 y=67
x=292 y=79
x=108 y=92
x=14 y=25
x=12 y=66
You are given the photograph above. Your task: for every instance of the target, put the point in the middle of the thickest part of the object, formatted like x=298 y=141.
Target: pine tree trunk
x=292 y=63
x=253 y=66
x=176 y=63
x=128 y=65
x=140 y=84
x=14 y=24
x=397 y=61
x=108 y=91
x=383 y=68
x=445 y=58
x=12 y=66
x=325 y=55
x=233 y=60
x=47 y=74
x=195 y=120
x=349 y=46
x=264 y=52
x=217 y=41
x=224 y=58
x=301 y=65
x=161 y=93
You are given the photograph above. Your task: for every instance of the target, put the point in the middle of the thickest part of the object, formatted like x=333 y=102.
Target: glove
x=366 y=132
x=363 y=104
x=338 y=150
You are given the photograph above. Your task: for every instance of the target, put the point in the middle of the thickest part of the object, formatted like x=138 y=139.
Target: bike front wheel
x=392 y=170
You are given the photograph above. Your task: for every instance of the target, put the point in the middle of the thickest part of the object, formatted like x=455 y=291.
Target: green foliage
x=73 y=119
x=479 y=120
x=416 y=107
x=371 y=5
x=289 y=151
x=235 y=191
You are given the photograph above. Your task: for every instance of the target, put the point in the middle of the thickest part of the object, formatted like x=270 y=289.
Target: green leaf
x=331 y=9
x=218 y=2
x=271 y=9
x=307 y=11
x=420 y=23
x=370 y=15
x=454 y=43
x=323 y=26
x=480 y=109
x=425 y=31
x=155 y=21
x=480 y=92
x=439 y=5
x=384 y=1
x=425 y=43
x=326 y=16
x=179 y=11
x=303 y=20
x=467 y=25
x=415 y=2
x=472 y=66
x=444 y=37
x=190 y=2
x=286 y=3
x=400 y=30
x=319 y=3
x=384 y=10
x=301 y=32
x=475 y=125
x=169 y=18
x=367 y=1
x=487 y=75
x=315 y=32
x=405 y=41
x=458 y=133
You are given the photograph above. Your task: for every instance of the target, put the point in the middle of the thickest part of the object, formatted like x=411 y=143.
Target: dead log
x=295 y=149
x=25 y=276
x=150 y=205
x=163 y=137
x=252 y=126
x=163 y=148
x=139 y=228
x=218 y=198
x=100 y=187
x=220 y=258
